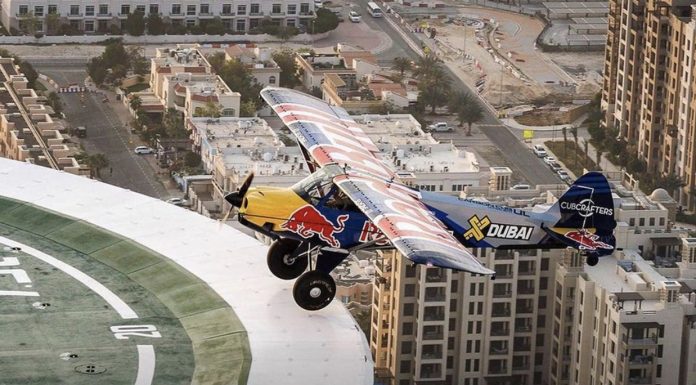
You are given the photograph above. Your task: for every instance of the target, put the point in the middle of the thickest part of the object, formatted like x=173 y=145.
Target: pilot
x=339 y=201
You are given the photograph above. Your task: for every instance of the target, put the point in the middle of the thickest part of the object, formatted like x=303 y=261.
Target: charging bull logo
x=587 y=241
x=307 y=221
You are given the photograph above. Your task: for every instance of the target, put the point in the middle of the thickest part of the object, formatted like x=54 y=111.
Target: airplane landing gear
x=314 y=290
x=592 y=259
x=284 y=260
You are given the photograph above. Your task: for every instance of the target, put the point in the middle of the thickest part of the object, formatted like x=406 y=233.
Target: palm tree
x=586 y=144
x=434 y=93
x=96 y=163
x=402 y=65
x=467 y=109
x=426 y=66
x=599 y=157
x=565 y=139
x=574 y=132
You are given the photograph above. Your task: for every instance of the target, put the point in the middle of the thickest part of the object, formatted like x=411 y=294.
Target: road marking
x=146 y=365
x=11 y=293
x=112 y=299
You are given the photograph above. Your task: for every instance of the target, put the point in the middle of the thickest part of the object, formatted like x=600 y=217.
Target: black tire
x=278 y=263
x=592 y=260
x=314 y=290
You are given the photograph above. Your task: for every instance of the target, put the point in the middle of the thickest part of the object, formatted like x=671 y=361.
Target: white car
x=177 y=201
x=440 y=127
x=563 y=175
x=521 y=187
x=354 y=16
x=555 y=166
x=141 y=150
x=539 y=151
x=549 y=159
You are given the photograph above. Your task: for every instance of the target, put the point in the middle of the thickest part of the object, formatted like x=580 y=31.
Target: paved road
x=106 y=134
x=532 y=168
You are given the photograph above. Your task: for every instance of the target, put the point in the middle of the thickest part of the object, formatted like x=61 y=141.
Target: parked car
x=440 y=127
x=555 y=166
x=563 y=175
x=143 y=150
x=549 y=159
x=539 y=151
x=354 y=16
x=521 y=187
x=178 y=201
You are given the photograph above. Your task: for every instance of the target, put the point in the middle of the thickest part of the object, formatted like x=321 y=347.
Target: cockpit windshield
x=314 y=187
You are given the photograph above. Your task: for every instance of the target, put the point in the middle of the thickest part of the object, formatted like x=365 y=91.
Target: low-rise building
x=259 y=60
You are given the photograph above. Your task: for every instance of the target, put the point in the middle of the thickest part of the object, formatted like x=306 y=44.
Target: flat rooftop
x=393 y=129
x=268 y=161
x=230 y=132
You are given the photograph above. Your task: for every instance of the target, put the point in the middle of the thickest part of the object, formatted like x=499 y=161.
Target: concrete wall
x=160 y=39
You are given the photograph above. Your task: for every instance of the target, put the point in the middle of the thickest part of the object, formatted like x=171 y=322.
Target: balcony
x=639 y=380
x=503 y=274
x=500 y=332
x=639 y=360
x=500 y=313
x=227 y=14
x=22 y=14
x=498 y=350
x=178 y=15
x=432 y=336
x=524 y=309
x=522 y=347
x=434 y=317
x=643 y=341
x=255 y=14
x=205 y=15
x=435 y=298
x=436 y=276
x=502 y=294
x=520 y=366
x=503 y=255
x=306 y=14
x=523 y=328
x=525 y=290
x=104 y=15
x=497 y=370
x=74 y=15
x=277 y=14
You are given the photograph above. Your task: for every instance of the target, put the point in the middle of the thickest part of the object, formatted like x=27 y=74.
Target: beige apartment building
x=546 y=316
x=648 y=91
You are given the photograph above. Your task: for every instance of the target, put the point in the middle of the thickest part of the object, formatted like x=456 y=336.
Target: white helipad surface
x=288 y=344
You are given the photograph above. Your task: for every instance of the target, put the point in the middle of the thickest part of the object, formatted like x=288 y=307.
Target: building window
x=74 y=10
x=104 y=9
x=125 y=9
x=407 y=328
x=632 y=222
x=227 y=9
x=176 y=9
x=140 y=9
x=241 y=25
x=191 y=10
x=651 y=221
x=641 y=222
x=405 y=367
x=190 y=22
x=89 y=25
x=39 y=10
x=241 y=10
x=271 y=80
x=408 y=309
x=89 y=11
x=23 y=9
x=406 y=347
x=205 y=9
x=52 y=9
x=275 y=8
x=254 y=9
x=410 y=290
x=292 y=9
x=304 y=8
x=154 y=8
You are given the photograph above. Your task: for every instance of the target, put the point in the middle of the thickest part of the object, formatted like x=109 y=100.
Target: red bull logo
x=370 y=233
x=587 y=241
x=307 y=222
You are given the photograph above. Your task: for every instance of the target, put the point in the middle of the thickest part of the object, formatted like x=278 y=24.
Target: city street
x=105 y=133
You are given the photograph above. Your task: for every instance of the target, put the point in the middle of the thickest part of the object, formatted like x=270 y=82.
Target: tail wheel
x=281 y=261
x=592 y=260
x=314 y=290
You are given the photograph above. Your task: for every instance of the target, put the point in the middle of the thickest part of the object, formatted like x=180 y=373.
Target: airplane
x=354 y=201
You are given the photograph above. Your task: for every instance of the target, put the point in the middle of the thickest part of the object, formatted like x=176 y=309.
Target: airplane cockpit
x=318 y=189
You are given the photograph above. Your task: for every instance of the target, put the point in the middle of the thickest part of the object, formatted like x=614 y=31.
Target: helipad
x=100 y=284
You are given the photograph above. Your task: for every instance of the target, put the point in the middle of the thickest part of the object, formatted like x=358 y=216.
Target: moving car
x=142 y=150
x=354 y=16
x=539 y=151
x=440 y=127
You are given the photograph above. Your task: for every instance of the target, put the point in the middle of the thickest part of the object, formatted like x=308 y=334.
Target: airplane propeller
x=236 y=198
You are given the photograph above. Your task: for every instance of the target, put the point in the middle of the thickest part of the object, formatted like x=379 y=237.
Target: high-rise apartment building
x=547 y=315
x=649 y=85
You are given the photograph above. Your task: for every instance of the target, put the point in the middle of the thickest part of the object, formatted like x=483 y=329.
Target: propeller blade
x=236 y=198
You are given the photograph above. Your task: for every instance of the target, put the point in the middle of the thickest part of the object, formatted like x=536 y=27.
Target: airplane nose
x=235 y=199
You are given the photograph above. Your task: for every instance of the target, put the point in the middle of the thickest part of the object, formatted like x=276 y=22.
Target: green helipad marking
x=203 y=342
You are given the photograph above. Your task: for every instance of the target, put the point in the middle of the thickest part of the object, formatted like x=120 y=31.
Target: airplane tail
x=587 y=215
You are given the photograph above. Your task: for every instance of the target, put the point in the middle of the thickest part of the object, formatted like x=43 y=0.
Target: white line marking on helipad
x=112 y=299
x=146 y=365
x=12 y=293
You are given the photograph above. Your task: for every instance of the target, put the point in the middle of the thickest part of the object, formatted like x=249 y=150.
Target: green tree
x=211 y=110
x=564 y=130
x=135 y=103
x=54 y=101
x=97 y=70
x=466 y=108
x=598 y=158
x=433 y=93
x=402 y=65
x=670 y=182
x=29 y=23
x=285 y=59
x=427 y=66
x=155 y=24
x=324 y=22
x=136 y=59
x=285 y=33
x=52 y=23
x=96 y=163
x=114 y=54
x=191 y=159
x=215 y=27
x=238 y=77
x=574 y=132
x=247 y=109
x=173 y=124
x=217 y=61
x=29 y=72
x=135 y=23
